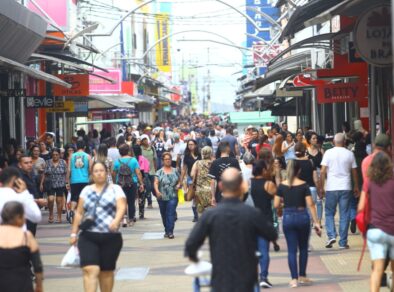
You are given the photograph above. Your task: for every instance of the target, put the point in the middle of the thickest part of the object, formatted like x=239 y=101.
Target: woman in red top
x=263 y=143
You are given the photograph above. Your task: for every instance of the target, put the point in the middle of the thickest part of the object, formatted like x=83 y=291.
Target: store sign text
x=343 y=92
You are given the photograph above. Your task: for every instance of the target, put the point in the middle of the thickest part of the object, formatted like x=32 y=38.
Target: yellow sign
x=62 y=107
x=163 y=52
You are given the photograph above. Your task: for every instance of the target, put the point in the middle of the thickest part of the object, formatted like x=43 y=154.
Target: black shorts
x=76 y=190
x=100 y=249
x=58 y=192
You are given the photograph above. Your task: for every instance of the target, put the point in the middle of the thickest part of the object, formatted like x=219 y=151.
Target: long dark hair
x=196 y=150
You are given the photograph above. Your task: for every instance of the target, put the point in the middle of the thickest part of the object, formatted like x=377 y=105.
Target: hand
x=19 y=186
x=38 y=288
x=68 y=186
x=178 y=186
x=73 y=240
x=159 y=195
x=41 y=187
x=41 y=202
x=142 y=187
x=114 y=226
x=317 y=228
x=356 y=192
x=213 y=202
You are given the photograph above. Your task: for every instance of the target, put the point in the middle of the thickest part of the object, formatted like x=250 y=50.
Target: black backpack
x=125 y=177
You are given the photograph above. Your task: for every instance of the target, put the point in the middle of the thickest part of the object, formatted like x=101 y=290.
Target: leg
x=376 y=275
x=141 y=204
x=344 y=212
x=264 y=260
x=51 y=202
x=170 y=214
x=133 y=193
x=149 y=194
x=59 y=206
x=90 y=278
x=106 y=279
x=163 y=212
x=289 y=229
x=304 y=231
x=194 y=209
x=330 y=209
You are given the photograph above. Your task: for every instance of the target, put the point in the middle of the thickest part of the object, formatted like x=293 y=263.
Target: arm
x=36 y=262
x=316 y=180
x=90 y=163
x=355 y=182
x=140 y=179
x=32 y=211
x=42 y=182
x=156 y=186
x=77 y=221
x=270 y=187
x=236 y=148
x=196 y=238
x=361 y=202
x=213 y=192
x=312 y=208
x=323 y=173
x=183 y=172
x=277 y=202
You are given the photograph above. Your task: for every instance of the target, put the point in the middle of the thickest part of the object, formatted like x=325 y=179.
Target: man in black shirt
x=232 y=228
x=217 y=168
x=254 y=142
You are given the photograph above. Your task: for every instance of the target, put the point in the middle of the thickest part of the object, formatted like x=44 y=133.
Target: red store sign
x=341 y=92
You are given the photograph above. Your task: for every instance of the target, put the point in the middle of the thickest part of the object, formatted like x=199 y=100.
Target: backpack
x=78 y=163
x=125 y=178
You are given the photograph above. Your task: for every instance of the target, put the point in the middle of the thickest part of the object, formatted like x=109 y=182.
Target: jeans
x=152 y=191
x=333 y=198
x=353 y=208
x=296 y=227
x=167 y=212
x=318 y=202
x=131 y=193
x=264 y=260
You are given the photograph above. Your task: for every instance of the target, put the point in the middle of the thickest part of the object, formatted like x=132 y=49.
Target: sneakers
x=344 y=247
x=330 y=242
x=353 y=226
x=264 y=283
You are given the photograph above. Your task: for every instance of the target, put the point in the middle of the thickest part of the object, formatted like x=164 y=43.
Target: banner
x=341 y=92
x=163 y=51
x=79 y=82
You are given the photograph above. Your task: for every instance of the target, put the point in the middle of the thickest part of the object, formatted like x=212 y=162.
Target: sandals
x=51 y=220
x=305 y=281
x=293 y=283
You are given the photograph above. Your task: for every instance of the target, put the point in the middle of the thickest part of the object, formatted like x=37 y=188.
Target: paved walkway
x=150 y=263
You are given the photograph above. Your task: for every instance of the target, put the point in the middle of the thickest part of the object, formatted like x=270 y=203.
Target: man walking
x=339 y=165
x=232 y=228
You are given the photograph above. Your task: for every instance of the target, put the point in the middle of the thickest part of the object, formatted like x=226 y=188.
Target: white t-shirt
x=246 y=172
x=339 y=162
x=113 y=153
x=179 y=149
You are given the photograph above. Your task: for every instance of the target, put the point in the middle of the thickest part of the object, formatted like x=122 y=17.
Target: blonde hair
x=206 y=152
x=292 y=171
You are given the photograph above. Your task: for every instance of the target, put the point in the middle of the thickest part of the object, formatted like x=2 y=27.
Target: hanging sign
x=79 y=85
x=62 y=107
x=40 y=101
x=373 y=35
x=341 y=92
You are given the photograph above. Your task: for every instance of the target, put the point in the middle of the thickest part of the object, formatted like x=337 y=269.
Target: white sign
x=373 y=35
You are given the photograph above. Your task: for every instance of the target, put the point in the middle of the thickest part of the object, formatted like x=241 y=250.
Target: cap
x=249 y=127
x=148 y=128
x=145 y=137
x=382 y=140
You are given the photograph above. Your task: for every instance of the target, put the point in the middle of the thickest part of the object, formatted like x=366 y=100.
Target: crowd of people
x=241 y=186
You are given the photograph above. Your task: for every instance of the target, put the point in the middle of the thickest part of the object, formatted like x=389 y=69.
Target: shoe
x=171 y=236
x=142 y=217
x=305 y=281
x=276 y=247
x=165 y=235
x=150 y=206
x=134 y=219
x=195 y=220
x=330 y=242
x=344 y=247
x=353 y=226
x=124 y=223
x=293 y=284
x=265 y=284
x=71 y=217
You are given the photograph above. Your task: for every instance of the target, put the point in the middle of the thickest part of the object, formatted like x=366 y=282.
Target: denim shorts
x=380 y=244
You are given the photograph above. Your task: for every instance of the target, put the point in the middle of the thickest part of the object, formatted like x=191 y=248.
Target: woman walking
x=199 y=174
x=288 y=147
x=167 y=183
x=380 y=234
x=128 y=174
x=100 y=241
x=18 y=252
x=159 y=143
x=55 y=175
x=192 y=154
x=44 y=153
x=296 y=221
x=102 y=156
x=263 y=192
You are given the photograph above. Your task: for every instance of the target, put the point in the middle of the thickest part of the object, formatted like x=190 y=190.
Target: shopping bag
x=181 y=196
x=71 y=258
x=68 y=197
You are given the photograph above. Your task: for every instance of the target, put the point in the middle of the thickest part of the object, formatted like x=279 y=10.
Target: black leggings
x=130 y=193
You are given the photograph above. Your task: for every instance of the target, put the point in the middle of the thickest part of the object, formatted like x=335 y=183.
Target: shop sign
x=341 y=92
x=40 y=101
x=13 y=92
x=373 y=35
x=79 y=85
x=62 y=107
x=99 y=85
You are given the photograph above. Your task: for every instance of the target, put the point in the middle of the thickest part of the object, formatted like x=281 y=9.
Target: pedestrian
x=339 y=165
x=277 y=148
x=199 y=175
x=214 y=140
x=217 y=168
x=144 y=168
x=167 y=183
x=44 y=153
x=254 y=142
x=127 y=174
x=102 y=155
x=113 y=151
x=288 y=147
x=18 y=252
x=159 y=145
x=38 y=162
x=69 y=150
x=177 y=148
x=78 y=170
x=192 y=154
x=262 y=192
x=263 y=143
x=233 y=142
x=380 y=234
x=296 y=198
x=101 y=207
x=247 y=166
x=55 y=174
x=149 y=153
x=232 y=229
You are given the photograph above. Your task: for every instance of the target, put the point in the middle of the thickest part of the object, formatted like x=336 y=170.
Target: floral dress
x=203 y=185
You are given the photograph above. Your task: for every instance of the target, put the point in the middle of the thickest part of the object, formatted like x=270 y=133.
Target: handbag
x=89 y=220
x=363 y=219
x=191 y=191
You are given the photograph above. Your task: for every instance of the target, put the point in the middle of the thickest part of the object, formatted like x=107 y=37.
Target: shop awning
x=248 y=118
x=145 y=99
x=21 y=31
x=37 y=74
x=265 y=91
x=287 y=108
x=304 y=13
x=279 y=75
x=105 y=101
x=113 y=121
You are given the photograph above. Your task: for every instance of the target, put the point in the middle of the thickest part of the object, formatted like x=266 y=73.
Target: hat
x=148 y=128
x=145 y=137
x=382 y=140
x=249 y=127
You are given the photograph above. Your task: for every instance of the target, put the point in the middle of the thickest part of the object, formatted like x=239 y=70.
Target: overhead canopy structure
x=37 y=74
x=104 y=101
x=287 y=108
x=113 y=121
x=251 y=118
